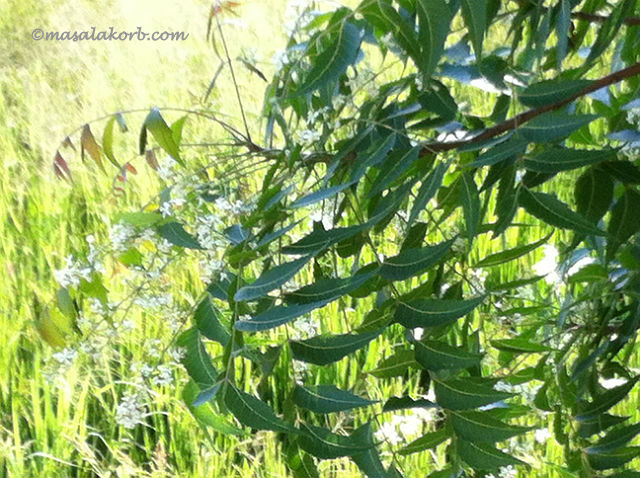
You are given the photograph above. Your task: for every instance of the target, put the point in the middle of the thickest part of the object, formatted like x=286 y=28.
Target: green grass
x=48 y=89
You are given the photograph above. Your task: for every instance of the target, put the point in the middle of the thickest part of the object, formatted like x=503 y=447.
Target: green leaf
x=326 y=349
x=107 y=142
x=615 y=439
x=369 y=461
x=551 y=127
x=624 y=171
x=482 y=427
x=511 y=254
x=142 y=220
x=514 y=146
x=589 y=273
x=434 y=312
x=436 y=356
x=562 y=28
x=320 y=195
x=277 y=316
x=549 y=209
x=559 y=159
x=586 y=428
x=624 y=222
x=327 y=399
x=205 y=415
x=395 y=365
x=330 y=289
x=470 y=204
x=375 y=154
x=551 y=91
x=462 y=394
x=175 y=233
x=413 y=261
x=323 y=444
x=427 y=190
x=612 y=459
x=435 y=19
x=404 y=403
x=301 y=463
x=593 y=194
x=474 y=13
x=426 y=442
x=270 y=280
x=392 y=168
x=161 y=132
x=604 y=401
x=207 y=320
x=519 y=346
x=197 y=360
x=483 y=456
x=319 y=240
x=333 y=61
x=253 y=412
x=91 y=146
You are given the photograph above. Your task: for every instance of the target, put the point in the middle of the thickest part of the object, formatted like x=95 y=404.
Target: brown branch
x=522 y=118
x=592 y=17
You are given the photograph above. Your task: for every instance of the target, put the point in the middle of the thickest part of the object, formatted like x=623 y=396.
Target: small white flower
x=163 y=376
x=72 y=273
x=308 y=137
x=130 y=411
x=610 y=383
x=542 y=435
x=548 y=265
x=120 y=235
x=65 y=357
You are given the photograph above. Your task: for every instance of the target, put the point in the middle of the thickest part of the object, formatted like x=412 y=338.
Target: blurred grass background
x=48 y=90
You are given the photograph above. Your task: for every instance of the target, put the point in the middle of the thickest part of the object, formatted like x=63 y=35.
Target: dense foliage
x=374 y=191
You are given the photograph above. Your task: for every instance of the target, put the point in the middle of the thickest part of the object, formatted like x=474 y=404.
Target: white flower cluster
x=166 y=168
x=296 y=16
x=308 y=137
x=548 y=265
x=121 y=235
x=527 y=391
x=177 y=200
x=206 y=231
x=72 y=273
x=130 y=410
x=65 y=357
x=236 y=208
x=405 y=427
x=504 y=472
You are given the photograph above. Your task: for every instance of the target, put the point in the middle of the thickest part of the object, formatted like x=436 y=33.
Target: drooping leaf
x=197 y=360
x=625 y=221
x=270 y=280
x=436 y=356
x=433 y=312
x=427 y=190
x=551 y=127
x=470 y=204
x=519 y=346
x=276 y=316
x=207 y=319
x=327 y=399
x=334 y=60
x=253 y=412
x=551 y=210
x=155 y=123
x=320 y=195
x=624 y=171
x=435 y=18
x=320 y=239
x=330 y=289
x=615 y=439
x=107 y=142
x=395 y=365
x=563 y=24
x=603 y=402
x=586 y=428
x=175 y=233
x=551 y=91
x=326 y=349
x=593 y=193
x=482 y=427
x=461 y=394
x=555 y=160
x=511 y=254
x=474 y=13
x=90 y=145
x=514 y=146
x=324 y=444
x=392 y=168
x=613 y=459
x=413 y=261
x=204 y=414
x=483 y=456
x=369 y=461
x=426 y=442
